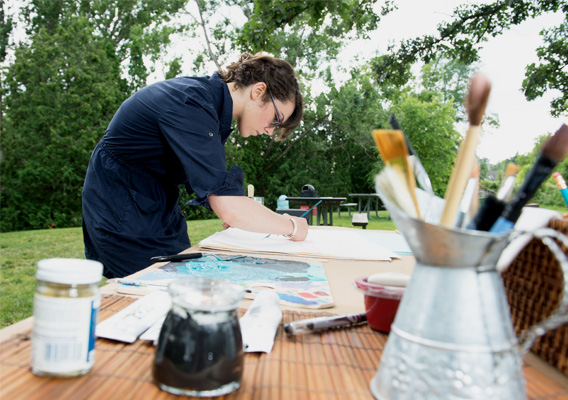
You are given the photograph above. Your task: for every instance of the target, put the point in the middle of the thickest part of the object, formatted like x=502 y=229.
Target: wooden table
x=336 y=364
x=324 y=209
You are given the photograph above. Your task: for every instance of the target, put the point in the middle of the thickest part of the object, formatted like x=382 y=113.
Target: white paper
x=327 y=243
x=130 y=322
x=153 y=333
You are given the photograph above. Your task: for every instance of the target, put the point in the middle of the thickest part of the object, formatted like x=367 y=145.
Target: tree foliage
x=60 y=93
x=6 y=25
x=473 y=24
x=551 y=72
x=133 y=29
x=429 y=125
x=307 y=30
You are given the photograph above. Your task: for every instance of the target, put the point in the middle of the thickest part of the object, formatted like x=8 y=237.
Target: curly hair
x=280 y=80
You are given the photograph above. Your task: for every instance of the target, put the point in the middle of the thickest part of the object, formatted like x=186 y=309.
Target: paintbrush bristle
x=556 y=147
x=391 y=144
x=477 y=98
x=512 y=169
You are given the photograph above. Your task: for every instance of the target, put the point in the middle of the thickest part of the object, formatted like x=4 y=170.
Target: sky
x=503 y=62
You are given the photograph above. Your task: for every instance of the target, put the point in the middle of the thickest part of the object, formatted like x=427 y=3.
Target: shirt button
x=210 y=134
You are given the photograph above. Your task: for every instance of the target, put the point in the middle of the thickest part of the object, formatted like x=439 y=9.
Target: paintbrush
x=493 y=206
x=419 y=170
x=478 y=95
x=508 y=181
x=474 y=204
x=468 y=196
x=553 y=151
x=390 y=185
x=393 y=150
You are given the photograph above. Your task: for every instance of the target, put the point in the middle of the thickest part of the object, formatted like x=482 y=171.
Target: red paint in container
x=381 y=303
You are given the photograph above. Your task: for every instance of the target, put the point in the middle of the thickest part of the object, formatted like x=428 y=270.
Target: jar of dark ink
x=200 y=347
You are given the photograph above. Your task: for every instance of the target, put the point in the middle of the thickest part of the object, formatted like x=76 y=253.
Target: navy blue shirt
x=169 y=133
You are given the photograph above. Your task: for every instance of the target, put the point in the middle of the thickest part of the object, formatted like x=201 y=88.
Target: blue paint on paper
x=289 y=278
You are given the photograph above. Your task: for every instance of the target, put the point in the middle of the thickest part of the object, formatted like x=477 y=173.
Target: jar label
x=63 y=338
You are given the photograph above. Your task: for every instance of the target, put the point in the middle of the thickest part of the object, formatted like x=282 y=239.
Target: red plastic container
x=381 y=303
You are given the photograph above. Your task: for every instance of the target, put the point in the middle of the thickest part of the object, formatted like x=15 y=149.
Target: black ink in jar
x=200 y=348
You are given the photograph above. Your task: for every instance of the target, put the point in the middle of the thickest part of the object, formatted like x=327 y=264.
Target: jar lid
x=372 y=289
x=205 y=294
x=71 y=271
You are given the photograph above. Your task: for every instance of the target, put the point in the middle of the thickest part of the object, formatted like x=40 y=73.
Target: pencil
x=561 y=183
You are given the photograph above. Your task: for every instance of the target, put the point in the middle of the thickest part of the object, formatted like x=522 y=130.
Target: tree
x=461 y=38
x=429 y=125
x=134 y=29
x=62 y=91
x=307 y=33
x=6 y=26
x=81 y=60
x=450 y=78
x=551 y=73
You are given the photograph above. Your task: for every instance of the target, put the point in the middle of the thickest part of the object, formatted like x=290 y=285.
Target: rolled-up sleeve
x=192 y=132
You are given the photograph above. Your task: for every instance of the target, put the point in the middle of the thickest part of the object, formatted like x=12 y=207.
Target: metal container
x=452 y=337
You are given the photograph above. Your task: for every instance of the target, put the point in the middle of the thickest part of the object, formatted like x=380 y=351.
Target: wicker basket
x=534 y=285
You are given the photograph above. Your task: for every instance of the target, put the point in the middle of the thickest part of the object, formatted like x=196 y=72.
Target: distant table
x=324 y=209
x=367 y=202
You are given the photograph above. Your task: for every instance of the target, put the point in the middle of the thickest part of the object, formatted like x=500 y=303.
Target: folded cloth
x=531 y=219
x=260 y=322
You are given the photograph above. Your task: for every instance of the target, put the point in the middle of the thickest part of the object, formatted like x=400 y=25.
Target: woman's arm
x=247 y=214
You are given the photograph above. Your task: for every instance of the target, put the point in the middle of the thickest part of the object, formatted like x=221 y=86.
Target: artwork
x=297 y=283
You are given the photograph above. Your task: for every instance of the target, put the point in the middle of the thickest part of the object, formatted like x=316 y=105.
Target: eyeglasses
x=275 y=124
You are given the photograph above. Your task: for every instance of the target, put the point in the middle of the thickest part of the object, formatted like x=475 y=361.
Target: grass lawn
x=20 y=251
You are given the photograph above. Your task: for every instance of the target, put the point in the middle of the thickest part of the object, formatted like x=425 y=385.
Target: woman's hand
x=249 y=215
x=301 y=230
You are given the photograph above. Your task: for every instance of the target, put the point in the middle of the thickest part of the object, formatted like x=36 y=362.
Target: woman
x=173 y=132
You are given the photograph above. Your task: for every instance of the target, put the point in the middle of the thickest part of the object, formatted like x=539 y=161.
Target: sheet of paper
x=391 y=240
x=326 y=243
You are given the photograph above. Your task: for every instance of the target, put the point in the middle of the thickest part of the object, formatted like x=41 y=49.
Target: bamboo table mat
x=336 y=364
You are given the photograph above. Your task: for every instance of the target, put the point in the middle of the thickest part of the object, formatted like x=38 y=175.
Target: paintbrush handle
x=460 y=176
x=539 y=172
x=489 y=212
x=314 y=206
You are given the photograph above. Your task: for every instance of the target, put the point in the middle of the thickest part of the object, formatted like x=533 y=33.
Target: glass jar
x=200 y=347
x=66 y=305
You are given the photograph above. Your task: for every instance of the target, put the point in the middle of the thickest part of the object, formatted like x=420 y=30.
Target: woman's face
x=258 y=115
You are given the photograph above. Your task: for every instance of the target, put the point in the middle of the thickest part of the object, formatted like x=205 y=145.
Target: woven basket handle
x=560 y=315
